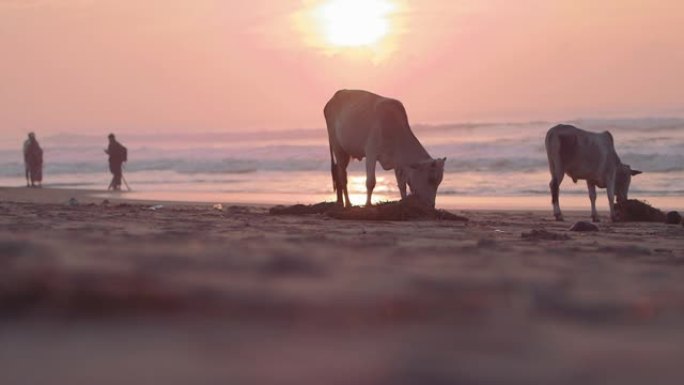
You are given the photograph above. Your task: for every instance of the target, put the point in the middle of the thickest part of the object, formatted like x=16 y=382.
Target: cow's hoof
x=595 y=219
x=559 y=218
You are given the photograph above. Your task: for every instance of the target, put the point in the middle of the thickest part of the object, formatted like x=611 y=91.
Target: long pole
x=123 y=178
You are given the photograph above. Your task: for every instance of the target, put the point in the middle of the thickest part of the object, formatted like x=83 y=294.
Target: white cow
x=362 y=124
x=590 y=156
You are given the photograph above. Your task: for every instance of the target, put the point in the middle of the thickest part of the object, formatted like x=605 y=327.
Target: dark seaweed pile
x=634 y=210
x=404 y=210
x=300 y=209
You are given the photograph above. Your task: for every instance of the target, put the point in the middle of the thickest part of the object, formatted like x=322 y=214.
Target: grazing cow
x=362 y=124
x=590 y=156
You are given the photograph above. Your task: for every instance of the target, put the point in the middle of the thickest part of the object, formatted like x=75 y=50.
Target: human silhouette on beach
x=33 y=161
x=117 y=156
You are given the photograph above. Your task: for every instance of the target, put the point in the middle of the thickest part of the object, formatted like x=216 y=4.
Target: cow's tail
x=554 y=150
x=333 y=164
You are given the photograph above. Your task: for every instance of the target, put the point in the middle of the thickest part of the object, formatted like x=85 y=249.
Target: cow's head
x=424 y=177
x=623 y=177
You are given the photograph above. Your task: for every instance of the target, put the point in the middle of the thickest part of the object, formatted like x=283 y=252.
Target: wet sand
x=124 y=293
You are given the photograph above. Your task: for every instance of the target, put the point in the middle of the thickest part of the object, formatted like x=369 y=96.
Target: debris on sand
x=543 y=235
x=634 y=210
x=300 y=209
x=673 y=218
x=584 y=226
x=404 y=210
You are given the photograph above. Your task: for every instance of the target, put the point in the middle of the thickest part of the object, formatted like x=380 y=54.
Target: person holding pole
x=118 y=154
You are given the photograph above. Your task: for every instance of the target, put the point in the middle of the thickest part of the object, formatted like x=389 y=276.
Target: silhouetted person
x=117 y=155
x=33 y=161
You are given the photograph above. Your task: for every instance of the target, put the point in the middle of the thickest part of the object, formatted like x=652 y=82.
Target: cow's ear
x=438 y=163
x=636 y=172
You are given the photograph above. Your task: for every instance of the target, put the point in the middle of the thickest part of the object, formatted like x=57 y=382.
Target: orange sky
x=175 y=65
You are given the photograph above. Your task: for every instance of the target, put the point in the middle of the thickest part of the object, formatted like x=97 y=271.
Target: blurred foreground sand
x=121 y=293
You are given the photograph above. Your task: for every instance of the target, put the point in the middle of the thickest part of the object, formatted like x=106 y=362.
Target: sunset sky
x=94 y=66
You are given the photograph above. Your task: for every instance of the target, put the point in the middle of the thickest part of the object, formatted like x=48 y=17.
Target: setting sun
x=355 y=23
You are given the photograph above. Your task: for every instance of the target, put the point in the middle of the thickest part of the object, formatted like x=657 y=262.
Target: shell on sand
x=584 y=226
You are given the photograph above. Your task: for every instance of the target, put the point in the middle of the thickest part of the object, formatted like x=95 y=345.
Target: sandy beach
x=184 y=157
x=127 y=292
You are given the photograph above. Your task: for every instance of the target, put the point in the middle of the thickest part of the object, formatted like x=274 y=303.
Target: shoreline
x=569 y=202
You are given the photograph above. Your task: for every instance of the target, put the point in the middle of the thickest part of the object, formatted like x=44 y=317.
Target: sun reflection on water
x=383 y=191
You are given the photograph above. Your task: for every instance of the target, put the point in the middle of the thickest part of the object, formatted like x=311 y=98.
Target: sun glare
x=355 y=23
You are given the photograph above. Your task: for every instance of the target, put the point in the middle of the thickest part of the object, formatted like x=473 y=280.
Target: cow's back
x=360 y=121
x=582 y=154
x=351 y=120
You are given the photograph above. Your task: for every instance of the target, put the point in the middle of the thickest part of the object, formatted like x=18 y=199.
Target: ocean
x=488 y=164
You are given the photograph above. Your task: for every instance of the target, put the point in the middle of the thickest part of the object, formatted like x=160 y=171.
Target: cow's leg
x=27 y=177
x=336 y=180
x=555 y=190
x=342 y=163
x=592 y=197
x=610 y=191
x=401 y=181
x=339 y=173
x=370 y=178
x=346 y=194
x=338 y=183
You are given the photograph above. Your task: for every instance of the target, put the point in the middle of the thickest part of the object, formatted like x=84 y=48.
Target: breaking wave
x=481 y=158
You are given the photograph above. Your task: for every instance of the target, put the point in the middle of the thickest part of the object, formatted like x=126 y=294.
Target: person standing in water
x=33 y=161
x=117 y=156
